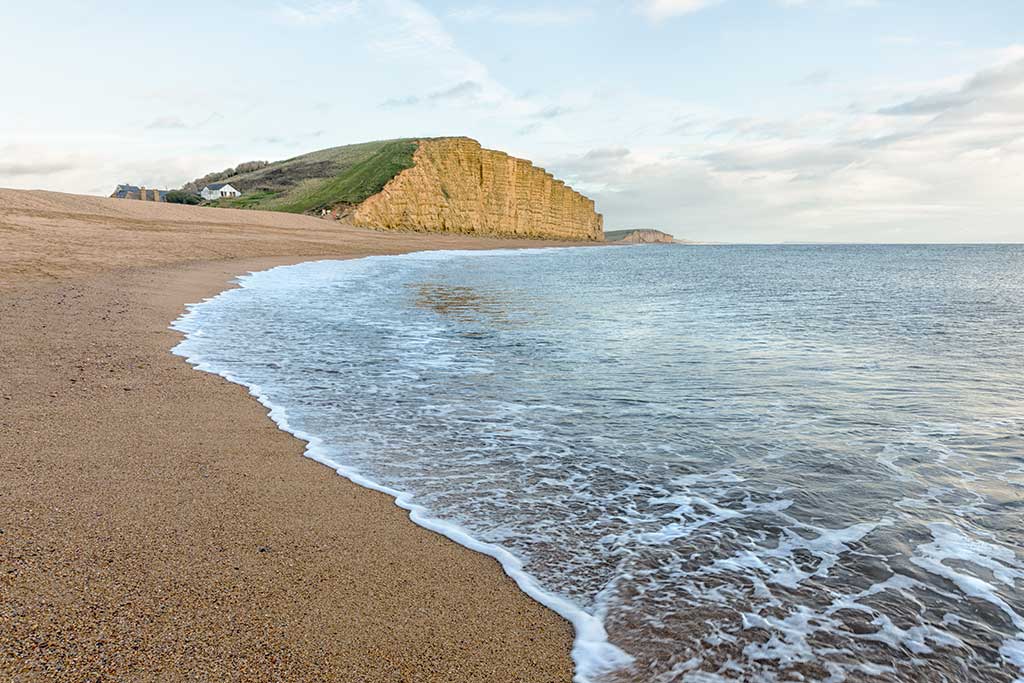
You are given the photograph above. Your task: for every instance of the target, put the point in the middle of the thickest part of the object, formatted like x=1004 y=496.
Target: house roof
x=215 y=186
x=123 y=191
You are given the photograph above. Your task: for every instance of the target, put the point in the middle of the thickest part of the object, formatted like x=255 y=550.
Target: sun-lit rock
x=457 y=186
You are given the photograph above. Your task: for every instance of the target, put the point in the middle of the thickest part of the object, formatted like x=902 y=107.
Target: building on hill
x=140 y=193
x=219 y=191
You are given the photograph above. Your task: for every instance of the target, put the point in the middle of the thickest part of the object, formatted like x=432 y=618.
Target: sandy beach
x=156 y=525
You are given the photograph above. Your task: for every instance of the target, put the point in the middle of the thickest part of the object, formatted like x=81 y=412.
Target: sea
x=720 y=463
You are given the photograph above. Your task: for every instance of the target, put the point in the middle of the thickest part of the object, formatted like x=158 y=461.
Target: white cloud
x=534 y=16
x=657 y=10
x=464 y=91
x=835 y=4
x=664 y=9
x=997 y=86
x=412 y=34
x=939 y=166
x=316 y=13
x=413 y=29
x=167 y=123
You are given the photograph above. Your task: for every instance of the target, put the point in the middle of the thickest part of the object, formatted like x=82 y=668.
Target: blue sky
x=731 y=120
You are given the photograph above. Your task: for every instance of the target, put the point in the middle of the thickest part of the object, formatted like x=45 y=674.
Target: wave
x=592 y=652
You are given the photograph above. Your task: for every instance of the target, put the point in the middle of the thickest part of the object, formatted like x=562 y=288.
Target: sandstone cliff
x=455 y=185
x=640 y=237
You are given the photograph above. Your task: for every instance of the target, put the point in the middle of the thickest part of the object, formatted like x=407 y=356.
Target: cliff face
x=457 y=186
x=640 y=237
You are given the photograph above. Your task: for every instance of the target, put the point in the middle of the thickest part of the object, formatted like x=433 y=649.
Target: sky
x=717 y=120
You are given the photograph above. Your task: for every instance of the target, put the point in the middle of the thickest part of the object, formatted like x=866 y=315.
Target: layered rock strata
x=455 y=185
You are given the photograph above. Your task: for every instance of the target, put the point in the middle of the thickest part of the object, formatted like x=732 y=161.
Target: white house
x=219 y=191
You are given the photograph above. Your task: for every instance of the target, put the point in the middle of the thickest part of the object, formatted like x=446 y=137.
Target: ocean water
x=722 y=463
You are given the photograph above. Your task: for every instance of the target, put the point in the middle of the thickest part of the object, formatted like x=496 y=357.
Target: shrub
x=181 y=197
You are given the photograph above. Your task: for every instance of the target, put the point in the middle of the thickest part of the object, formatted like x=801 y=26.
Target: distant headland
x=642 y=236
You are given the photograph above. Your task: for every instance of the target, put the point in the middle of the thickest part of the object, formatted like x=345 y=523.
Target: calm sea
x=796 y=463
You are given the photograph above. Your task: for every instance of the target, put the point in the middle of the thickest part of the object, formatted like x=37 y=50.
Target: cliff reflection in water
x=463 y=304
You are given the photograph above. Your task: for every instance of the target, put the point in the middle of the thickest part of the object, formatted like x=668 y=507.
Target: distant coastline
x=642 y=236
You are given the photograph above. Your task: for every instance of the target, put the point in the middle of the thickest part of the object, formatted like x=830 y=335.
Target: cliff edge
x=455 y=185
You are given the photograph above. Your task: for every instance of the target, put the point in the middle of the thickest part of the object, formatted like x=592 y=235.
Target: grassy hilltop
x=322 y=179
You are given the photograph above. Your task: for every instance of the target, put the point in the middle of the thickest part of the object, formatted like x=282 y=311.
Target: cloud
x=406 y=101
x=604 y=154
x=412 y=36
x=997 y=83
x=552 y=112
x=783 y=155
x=466 y=90
x=815 y=78
x=951 y=173
x=412 y=29
x=316 y=13
x=535 y=16
x=831 y=4
x=928 y=104
x=407 y=33
x=899 y=39
x=28 y=168
x=167 y=123
x=657 y=10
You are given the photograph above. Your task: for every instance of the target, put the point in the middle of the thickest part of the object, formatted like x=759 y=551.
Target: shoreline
x=160 y=527
x=592 y=653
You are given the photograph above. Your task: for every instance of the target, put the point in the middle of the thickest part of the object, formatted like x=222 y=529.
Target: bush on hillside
x=181 y=197
x=246 y=167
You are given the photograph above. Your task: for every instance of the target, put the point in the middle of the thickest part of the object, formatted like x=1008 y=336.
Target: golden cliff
x=457 y=186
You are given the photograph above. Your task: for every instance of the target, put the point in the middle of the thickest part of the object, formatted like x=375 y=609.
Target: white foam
x=1013 y=652
x=592 y=652
x=950 y=544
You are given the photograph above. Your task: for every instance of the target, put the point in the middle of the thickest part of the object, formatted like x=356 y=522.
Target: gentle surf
x=720 y=462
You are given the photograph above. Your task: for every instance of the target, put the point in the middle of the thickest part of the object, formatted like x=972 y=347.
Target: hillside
x=426 y=185
x=325 y=178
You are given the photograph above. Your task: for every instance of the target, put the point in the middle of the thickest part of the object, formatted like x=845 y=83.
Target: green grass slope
x=325 y=178
x=360 y=181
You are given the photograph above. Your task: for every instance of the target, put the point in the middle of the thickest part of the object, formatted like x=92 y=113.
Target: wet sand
x=155 y=525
